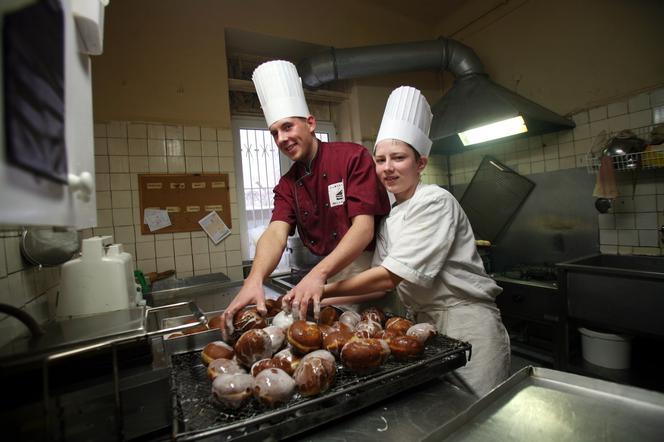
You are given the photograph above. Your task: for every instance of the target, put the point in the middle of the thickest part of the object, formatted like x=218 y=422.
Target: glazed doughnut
x=223 y=366
x=335 y=341
x=405 y=347
x=253 y=345
x=233 y=390
x=217 y=350
x=314 y=375
x=368 y=329
x=247 y=319
x=197 y=329
x=398 y=324
x=259 y=366
x=387 y=335
x=350 y=318
x=283 y=320
x=277 y=337
x=325 y=330
x=328 y=315
x=273 y=307
x=364 y=355
x=375 y=314
x=304 y=336
x=287 y=360
x=423 y=331
x=324 y=355
x=214 y=322
x=273 y=387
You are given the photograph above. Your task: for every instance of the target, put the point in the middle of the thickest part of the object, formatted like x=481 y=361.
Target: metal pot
x=300 y=257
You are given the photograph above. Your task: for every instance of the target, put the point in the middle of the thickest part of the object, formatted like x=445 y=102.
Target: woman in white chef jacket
x=426 y=249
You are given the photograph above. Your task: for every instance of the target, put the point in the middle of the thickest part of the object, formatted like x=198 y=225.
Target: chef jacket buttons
x=334 y=235
x=306 y=213
x=312 y=242
x=299 y=183
x=324 y=174
x=327 y=204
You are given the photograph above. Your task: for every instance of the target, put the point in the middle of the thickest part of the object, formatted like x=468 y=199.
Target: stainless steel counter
x=405 y=417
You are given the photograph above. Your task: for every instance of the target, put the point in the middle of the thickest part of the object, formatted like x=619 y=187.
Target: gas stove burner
x=533 y=272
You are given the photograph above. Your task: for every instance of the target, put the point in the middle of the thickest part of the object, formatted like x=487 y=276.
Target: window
x=260 y=166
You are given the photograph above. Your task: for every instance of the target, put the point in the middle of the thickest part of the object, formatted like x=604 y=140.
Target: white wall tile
x=199 y=245
x=173 y=132
x=218 y=260
x=625 y=221
x=608 y=249
x=145 y=250
x=182 y=247
x=567 y=163
x=566 y=150
x=609 y=237
x=123 y=217
x=660 y=203
x=183 y=264
x=201 y=261
x=628 y=238
x=176 y=165
x=623 y=205
x=657 y=97
x=120 y=181
x=138 y=147
x=139 y=165
x=645 y=203
x=146 y=265
x=182 y=235
x=101 y=164
x=226 y=165
x=639 y=102
x=233 y=258
x=99 y=130
x=648 y=238
x=13 y=254
x=606 y=221
x=224 y=135
x=618 y=108
x=596 y=127
x=198 y=272
x=140 y=237
x=640 y=119
x=157 y=148
x=616 y=124
x=192 y=133
x=137 y=130
x=551 y=152
x=192 y=148
x=232 y=242
x=101 y=146
x=121 y=199
x=118 y=164
x=15 y=294
x=193 y=164
x=209 y=148
x=156 y=131
x=208 y=134
x=211 y=165
x=537 y=167
x=102 y=181
x=165 y=263
x=118 y=146
x=597 y=113
x=3 y=259
x=158 y=165
x=117 y=129
x=174 y=148
x=235 y=273
x=124 y=235
x=226 y=149
x=581 y=131
x=164 y=248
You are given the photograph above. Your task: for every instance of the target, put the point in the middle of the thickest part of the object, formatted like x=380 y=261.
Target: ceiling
x=429 y=12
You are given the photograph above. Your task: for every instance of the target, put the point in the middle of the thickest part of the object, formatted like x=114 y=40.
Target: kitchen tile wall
x=630 y=227
x=125 y=149
x=122 y=151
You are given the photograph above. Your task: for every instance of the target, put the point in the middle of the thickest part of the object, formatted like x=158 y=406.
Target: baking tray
x=197 y=415
x=544 y=404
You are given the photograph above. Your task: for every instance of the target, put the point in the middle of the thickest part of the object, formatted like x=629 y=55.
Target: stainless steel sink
x=622 y=293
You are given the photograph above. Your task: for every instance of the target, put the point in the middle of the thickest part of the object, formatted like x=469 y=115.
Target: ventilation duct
x=473 y=101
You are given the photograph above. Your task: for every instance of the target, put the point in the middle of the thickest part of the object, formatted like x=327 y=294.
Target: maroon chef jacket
x=340 y=184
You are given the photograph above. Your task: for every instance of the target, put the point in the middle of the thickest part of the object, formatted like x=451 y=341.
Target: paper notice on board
x=156 y=219
x=215 y=227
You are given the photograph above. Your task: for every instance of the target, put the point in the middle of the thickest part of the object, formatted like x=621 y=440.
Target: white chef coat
x=428 y=241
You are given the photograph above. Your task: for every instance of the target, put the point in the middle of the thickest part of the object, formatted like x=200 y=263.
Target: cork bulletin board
x=186 y=197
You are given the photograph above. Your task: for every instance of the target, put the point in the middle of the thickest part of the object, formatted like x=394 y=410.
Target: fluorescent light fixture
x=504 y=128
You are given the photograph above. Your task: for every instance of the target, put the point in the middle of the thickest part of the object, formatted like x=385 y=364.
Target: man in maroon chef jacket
x=331 y=193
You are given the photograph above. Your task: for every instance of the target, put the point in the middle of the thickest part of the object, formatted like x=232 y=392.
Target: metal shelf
x=651 y=158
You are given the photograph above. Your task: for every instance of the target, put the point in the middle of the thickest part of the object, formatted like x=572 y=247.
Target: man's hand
x=309 y=289
x=251 y=293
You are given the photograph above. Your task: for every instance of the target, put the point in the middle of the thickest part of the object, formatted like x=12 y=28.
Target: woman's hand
x=310 y=289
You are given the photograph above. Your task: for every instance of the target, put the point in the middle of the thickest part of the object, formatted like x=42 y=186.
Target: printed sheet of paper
x=215 y=227
x=156 y=219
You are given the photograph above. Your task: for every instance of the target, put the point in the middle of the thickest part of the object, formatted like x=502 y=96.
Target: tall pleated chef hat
x=279 y=89
x=407 y=118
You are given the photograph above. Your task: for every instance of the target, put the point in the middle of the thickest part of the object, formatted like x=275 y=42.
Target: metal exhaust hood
x=473 y=101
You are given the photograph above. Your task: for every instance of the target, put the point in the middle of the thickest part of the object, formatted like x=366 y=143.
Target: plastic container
x=606 y=349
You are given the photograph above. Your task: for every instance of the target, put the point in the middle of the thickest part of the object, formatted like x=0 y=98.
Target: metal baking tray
x=197 y=415
x=544 y=404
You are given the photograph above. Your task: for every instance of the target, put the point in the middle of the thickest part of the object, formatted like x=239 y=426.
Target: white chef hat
x=407 y=118
x=279 y=89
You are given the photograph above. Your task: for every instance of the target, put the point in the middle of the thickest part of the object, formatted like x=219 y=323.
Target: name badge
x=336 y=193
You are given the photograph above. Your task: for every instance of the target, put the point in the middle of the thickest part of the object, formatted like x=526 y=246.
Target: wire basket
x=651 y=157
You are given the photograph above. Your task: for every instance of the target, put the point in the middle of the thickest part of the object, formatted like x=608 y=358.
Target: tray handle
x=195 y=311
